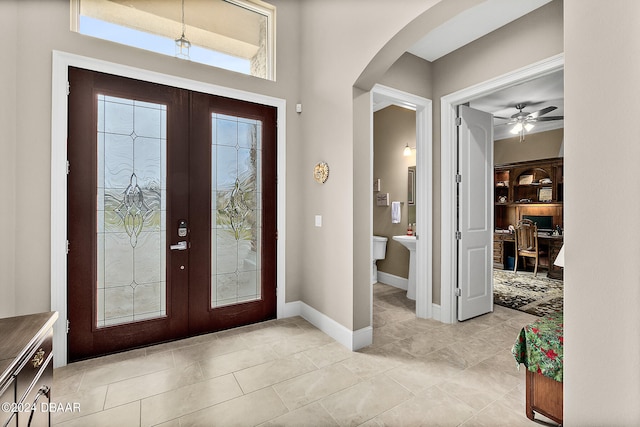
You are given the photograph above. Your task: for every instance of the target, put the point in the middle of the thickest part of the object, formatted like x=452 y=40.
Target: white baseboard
x=290 y=309
x=402 y=283
x=392 y=280
x=353 y=340
x=435 y=312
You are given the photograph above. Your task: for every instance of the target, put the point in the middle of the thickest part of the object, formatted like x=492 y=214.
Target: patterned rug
x=521 y=291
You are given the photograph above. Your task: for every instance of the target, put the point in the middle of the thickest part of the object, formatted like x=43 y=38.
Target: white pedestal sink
x=409 y=242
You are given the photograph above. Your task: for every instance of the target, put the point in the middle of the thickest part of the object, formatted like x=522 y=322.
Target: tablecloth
x=539 y=346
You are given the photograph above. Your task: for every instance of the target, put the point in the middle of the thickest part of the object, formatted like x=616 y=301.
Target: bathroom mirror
x=411 y=194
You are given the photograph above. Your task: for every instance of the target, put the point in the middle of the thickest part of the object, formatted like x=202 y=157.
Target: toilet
x=379 y=250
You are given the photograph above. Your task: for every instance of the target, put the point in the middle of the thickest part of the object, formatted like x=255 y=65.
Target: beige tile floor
x=288 y=373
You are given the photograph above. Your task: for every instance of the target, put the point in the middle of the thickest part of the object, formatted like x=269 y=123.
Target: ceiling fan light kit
x=523 y=122
x=519 y=126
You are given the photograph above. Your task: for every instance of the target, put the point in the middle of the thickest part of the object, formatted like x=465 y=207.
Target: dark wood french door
x=171 y=213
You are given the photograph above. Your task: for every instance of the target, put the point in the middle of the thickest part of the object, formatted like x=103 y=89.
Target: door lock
x=182 y=228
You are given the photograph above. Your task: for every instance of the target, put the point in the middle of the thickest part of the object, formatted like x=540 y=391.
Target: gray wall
x=602 y=275
x=541 y=145
x=8 y=147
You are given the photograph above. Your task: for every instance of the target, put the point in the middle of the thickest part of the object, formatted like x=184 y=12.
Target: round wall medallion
x=321 y=172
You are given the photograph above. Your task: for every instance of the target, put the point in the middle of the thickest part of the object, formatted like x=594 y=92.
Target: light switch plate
x=318 y=220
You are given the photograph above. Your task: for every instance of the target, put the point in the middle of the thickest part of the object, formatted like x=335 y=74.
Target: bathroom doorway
x=382 y=96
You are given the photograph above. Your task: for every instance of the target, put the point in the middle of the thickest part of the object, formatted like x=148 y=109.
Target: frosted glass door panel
x=236 y=222
x=131 y=211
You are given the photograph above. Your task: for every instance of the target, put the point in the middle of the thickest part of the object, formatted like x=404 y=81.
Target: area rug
x=521 y=291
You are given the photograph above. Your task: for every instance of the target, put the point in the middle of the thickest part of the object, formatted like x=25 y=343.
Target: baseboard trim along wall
x=392 y=280
x=402 y=283
x=353 y=340
x=435 y=311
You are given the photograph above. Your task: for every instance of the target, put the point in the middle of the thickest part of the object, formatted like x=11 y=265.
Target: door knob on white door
x=181 y=246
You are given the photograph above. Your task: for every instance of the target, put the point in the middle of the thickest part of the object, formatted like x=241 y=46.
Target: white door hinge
x=68 y=325
x=458 y=235
x=68 y=88
x=458 y=178
x=458 y=121
x=68 y=247
x=458 y=292
x=68 y=167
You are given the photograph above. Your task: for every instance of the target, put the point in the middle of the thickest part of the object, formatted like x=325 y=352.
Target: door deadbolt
x=182 y=228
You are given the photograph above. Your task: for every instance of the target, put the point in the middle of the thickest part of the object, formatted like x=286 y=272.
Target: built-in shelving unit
x=532 y=188
x=529 y=188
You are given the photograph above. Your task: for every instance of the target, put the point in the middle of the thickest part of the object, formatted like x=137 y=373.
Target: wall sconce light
x=407 y=150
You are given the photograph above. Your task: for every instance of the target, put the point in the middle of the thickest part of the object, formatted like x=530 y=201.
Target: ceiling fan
x=524 y=121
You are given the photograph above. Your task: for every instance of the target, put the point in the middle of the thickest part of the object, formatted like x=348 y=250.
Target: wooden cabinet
x=26 y=366
x=533 y=189
x=499 y=249
x=529 y=188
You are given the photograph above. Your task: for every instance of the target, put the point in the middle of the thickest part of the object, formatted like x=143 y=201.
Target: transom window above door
x=236 y=35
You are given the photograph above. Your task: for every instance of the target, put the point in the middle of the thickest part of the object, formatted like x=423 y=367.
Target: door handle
x=181 y=246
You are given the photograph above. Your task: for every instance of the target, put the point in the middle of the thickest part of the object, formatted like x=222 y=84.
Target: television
x=543 y=222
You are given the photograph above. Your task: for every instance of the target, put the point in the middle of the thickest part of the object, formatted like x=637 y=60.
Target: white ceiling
x=536 y=94
x=477 y=22
x=470 y=25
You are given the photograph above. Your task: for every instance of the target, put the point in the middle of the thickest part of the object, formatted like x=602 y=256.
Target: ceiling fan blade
x=539 y=113
x=549 y=118
x=501 y=118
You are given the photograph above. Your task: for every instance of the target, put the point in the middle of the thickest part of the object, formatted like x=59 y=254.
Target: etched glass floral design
x=235 y=211
x=131 y=210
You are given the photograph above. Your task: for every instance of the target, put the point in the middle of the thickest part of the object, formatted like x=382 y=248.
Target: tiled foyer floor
x=288 y=373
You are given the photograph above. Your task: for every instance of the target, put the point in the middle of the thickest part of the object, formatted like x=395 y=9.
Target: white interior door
x=475 y=213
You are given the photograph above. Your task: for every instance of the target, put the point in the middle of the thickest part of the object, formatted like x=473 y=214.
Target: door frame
x=448 y=103
x=424 y=196
x=59 y=105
